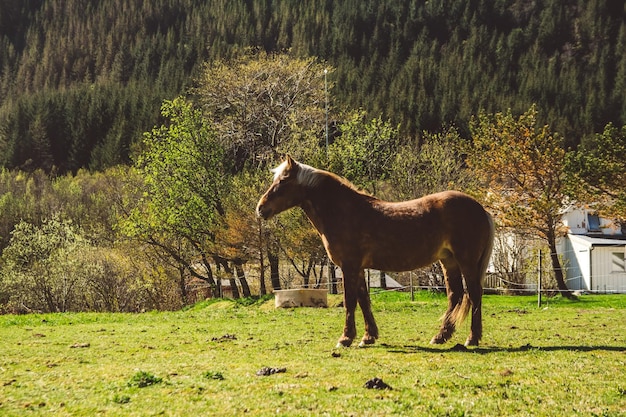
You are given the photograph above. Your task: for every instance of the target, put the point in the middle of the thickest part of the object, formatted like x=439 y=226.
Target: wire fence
x=539 y=282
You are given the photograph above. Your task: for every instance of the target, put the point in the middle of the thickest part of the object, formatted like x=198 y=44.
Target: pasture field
x=564 y=359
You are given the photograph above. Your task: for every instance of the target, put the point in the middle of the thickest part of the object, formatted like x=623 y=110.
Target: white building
x=593 y=253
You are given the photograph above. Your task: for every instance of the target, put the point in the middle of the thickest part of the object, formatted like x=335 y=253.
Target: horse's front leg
x=371 y=330
x=349 y=303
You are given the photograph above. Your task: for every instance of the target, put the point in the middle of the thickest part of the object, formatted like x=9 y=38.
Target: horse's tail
x=460 y=311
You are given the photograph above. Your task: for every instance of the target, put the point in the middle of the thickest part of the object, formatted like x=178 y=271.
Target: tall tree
x=598 y=172
x=522 y=168
x=260 y=102
x=274 y=104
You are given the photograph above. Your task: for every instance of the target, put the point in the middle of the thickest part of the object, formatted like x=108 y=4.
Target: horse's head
x=288 y=189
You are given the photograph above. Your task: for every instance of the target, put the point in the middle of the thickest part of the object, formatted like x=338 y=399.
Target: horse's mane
x=313 y=177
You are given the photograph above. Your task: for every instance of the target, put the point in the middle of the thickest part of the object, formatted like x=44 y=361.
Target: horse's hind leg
x=475 y=290
x=474 y=282
x=371 y=330
x=350 y=294
x=454 y=289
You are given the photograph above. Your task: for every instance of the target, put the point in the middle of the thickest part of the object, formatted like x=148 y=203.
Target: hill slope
x=80 y=81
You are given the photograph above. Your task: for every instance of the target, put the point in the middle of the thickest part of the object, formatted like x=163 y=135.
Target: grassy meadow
x=565 y=358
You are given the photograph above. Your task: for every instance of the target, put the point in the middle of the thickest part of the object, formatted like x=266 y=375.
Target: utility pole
x=326 y=95
x=539 y=282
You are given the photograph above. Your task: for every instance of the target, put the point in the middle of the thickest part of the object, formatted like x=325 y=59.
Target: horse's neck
x=330 y=205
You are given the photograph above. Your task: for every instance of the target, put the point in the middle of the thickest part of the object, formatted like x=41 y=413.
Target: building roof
x=604 y=240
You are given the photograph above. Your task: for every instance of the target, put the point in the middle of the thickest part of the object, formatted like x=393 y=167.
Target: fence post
x=411 y=282
x=539 y=282
x=330 y=284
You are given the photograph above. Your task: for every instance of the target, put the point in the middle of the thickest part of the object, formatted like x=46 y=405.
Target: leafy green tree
x=435 y=164
x=185 y=180
x=92 y=201
x=522 y=168
x=109 y=273
x=26 y=196
x=364 y=151
x=11 y=203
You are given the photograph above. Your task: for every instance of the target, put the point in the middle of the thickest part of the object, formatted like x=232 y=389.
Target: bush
x=44 y=267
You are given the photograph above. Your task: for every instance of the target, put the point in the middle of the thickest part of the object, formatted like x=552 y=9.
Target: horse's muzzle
x=264 y=212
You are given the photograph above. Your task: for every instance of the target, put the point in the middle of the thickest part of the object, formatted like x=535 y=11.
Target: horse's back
x=457 y=216
x=444 y=210
x=415 y=233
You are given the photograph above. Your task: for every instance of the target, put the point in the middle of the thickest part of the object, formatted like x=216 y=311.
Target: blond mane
x=311 y=177
x=307 y=175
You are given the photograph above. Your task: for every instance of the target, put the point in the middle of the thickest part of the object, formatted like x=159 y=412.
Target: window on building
x=594 y=222
x=617 y=262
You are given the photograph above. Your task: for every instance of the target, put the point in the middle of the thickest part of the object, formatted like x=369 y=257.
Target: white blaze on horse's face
x=285 y=191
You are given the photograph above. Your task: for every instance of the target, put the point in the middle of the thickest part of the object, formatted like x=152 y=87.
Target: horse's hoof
x=367 y=340
x=373 y=333
x=471 y=342
x=343 y=343
x=438 y=340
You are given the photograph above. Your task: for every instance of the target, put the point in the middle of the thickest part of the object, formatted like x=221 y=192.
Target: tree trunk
x=558 y=271
x=262 y=289
x=182 y=285
x=234 y=288
x=306 y=273
x=245 y=288
x=215 y=284
x=229 y=272
x=272 y=257
x=333 y=278
x=49 y=299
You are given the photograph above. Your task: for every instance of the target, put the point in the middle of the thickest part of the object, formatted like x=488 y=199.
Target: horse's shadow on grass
x=409 y=349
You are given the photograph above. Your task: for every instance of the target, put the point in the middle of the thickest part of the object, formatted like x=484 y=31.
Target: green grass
x=566 y=358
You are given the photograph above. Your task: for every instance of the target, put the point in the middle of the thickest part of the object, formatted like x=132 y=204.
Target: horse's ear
x=290 y=161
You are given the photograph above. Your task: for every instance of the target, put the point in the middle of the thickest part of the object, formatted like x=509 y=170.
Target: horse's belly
x=396 y=258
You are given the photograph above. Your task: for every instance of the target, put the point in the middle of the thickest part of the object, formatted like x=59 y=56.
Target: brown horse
x=360 y=231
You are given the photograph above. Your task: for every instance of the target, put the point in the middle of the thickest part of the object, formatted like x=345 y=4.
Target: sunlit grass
x=566 y=358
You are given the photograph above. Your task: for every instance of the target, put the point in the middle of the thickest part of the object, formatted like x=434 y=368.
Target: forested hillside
x=80 y=81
